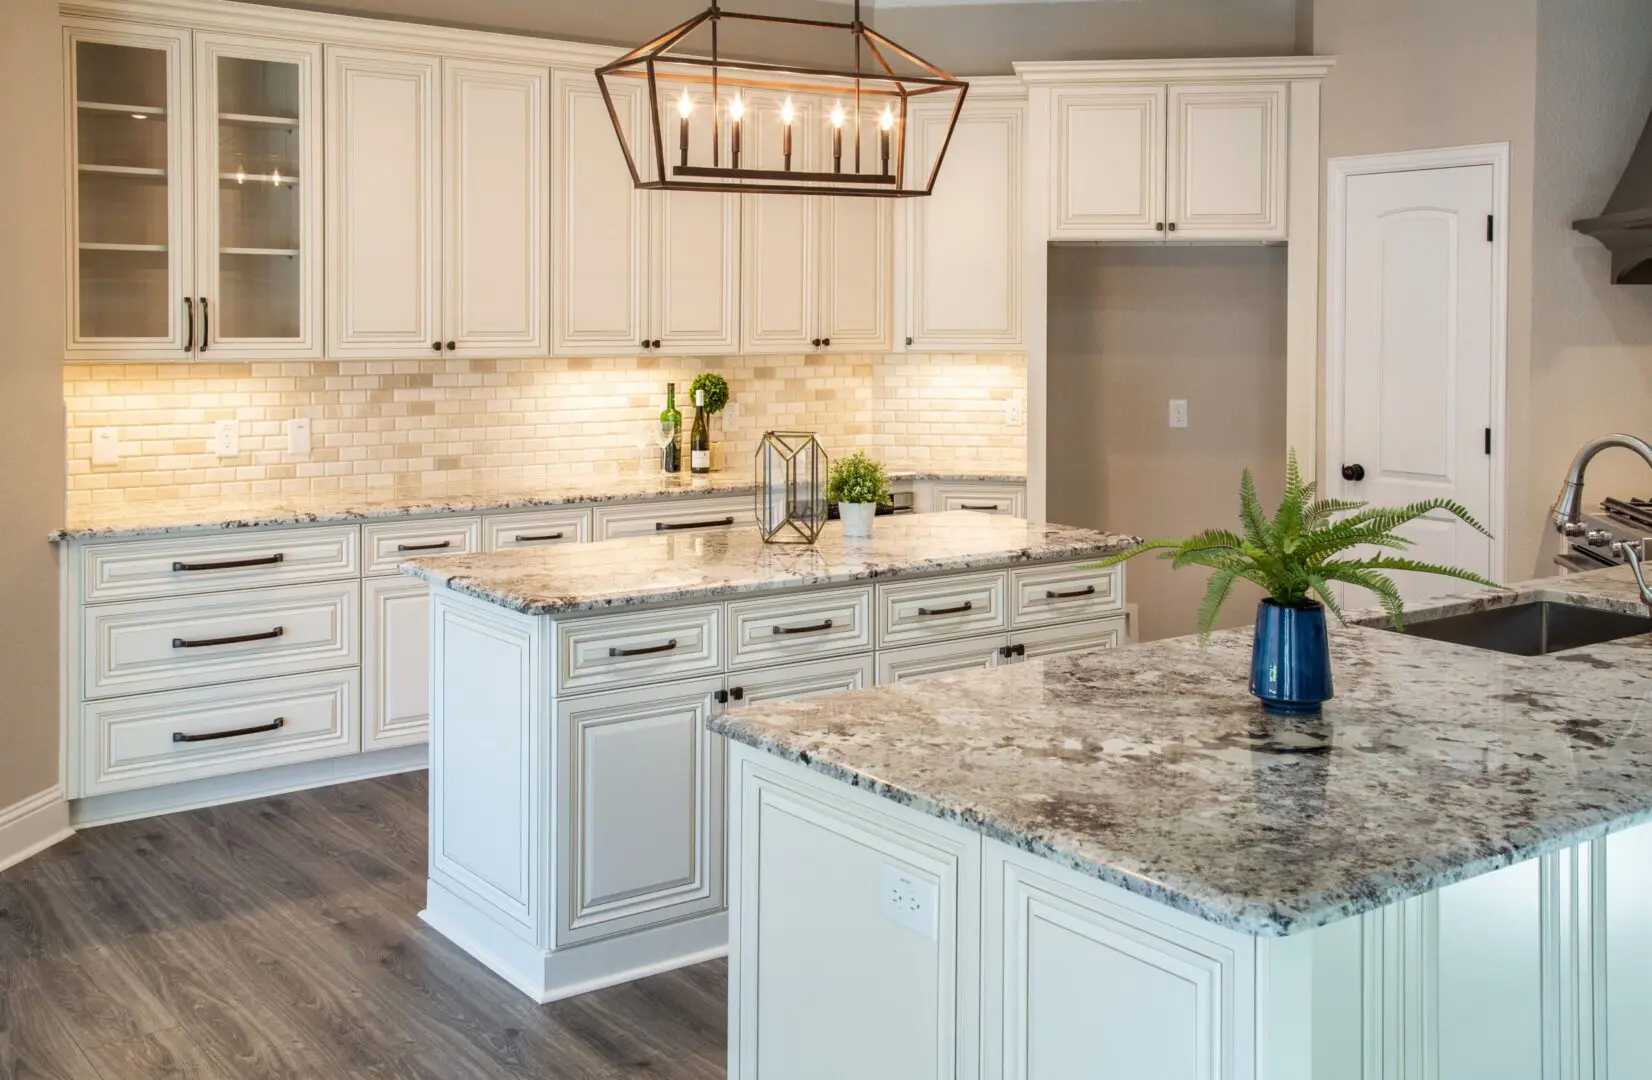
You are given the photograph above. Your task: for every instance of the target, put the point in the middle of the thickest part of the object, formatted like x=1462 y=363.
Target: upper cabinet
x=436 y=200
x=636 y=271
x=194 y=211
x=964 y=258
x=1185 y=161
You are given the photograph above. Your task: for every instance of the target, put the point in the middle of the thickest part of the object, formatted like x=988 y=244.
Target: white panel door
x=1227 y=162
x=258 y=213
x=857 y=248
x=964 y=260
x=395 y=621
x=1628 y=951
x=779 y=267
x=496 y=194
x=1413 y=402
x=599 y=286
x=1109 y=177
x=694 y=253
x=383 y=204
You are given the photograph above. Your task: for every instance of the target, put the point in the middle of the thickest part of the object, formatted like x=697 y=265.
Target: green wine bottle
x=699 y=440
x=672 y=456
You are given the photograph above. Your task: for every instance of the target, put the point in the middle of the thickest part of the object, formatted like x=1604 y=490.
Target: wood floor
x=280 y=938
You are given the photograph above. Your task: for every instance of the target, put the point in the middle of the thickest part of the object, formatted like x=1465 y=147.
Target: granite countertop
x=161 y=517
x=1153 y=769
x=672 y=567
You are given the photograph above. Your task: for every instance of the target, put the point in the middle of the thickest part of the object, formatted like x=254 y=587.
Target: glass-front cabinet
x=195 y=213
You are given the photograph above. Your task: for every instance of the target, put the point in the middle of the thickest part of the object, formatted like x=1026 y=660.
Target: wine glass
x=664 y=434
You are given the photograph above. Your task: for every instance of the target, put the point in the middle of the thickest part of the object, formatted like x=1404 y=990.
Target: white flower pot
x=857 y=518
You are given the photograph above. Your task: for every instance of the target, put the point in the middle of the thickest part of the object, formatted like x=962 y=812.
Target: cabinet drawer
x=396 y=542
x=1043 y=595
x=1071 y=637
x=190 y=734
x=913 y=612
x=922 y=661
x=627 y=650
x=538 y=529
x=1007 y=499
x=775 y=630
x=672 y=515
x=793 y=682
x=170 y=644
x=183 y=565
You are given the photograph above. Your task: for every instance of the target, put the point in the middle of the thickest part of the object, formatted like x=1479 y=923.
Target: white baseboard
x=33 y=825
x=237 y=787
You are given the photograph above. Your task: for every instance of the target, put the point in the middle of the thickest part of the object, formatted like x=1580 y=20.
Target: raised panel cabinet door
x=383 y=204
x=496 y=194
x=599 y=234
x=1109 y=177
x=857 y=244
x=640 y=817
x=964 y=276
x=1227 y=162
x=259 y=197
x=779 y=265
x=131 y=204
x=395 y=662
x=694 y=298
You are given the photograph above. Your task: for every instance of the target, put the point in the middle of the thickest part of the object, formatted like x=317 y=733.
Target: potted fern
x=857 y=484
x=1296 y=556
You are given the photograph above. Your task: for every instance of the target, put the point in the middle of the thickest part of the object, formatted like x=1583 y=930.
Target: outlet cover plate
x=298 y=436
x=106 y=446
x=1178 y=412
x=909 y=900
x=226 y=438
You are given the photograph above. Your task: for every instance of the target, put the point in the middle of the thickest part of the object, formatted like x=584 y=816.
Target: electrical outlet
x=1015 y=410
x=908 y=900
x=106 y=446
x=226 y=438
x=1178 y=413
x=298 y=436
x=731 y=416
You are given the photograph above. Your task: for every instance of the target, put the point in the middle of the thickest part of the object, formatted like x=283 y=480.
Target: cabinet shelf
x=124 y=170
x=257 y=251
x=254 y=118
x=86 y=246
x=136 y=112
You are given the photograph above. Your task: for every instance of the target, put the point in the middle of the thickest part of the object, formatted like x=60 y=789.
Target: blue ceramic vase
x=1290 y=660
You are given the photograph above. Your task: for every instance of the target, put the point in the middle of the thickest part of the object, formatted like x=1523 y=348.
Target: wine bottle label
x=700 y=459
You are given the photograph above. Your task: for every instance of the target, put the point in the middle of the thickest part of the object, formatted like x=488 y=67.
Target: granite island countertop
x=675 y=567
x=160 y=517
x=1153 y=769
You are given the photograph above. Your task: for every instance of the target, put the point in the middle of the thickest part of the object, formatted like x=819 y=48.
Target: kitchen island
x=1113 y=864
x=576 y=791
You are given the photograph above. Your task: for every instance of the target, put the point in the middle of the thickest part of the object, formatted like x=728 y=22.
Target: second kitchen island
x=576 y=791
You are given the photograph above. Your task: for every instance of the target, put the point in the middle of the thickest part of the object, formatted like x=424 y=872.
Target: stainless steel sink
x=1532 y=629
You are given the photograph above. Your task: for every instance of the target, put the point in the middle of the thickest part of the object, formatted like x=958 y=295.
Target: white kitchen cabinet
x=856 y=266
x=1226 y=162
x=436 y=197
x=195 y=212
x=395 y=662
x=794 y=682
x=922 y=661
x=1107 y=181
x=1069 y=638
x=695 y=293
x=964 y=256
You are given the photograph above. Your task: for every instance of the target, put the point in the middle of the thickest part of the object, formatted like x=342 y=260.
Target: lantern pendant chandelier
x=729 y=125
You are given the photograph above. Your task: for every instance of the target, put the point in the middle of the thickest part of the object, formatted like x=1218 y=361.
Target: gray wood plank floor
x=280 y=938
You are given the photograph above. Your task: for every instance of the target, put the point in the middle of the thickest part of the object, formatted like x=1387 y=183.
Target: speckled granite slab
x=1153 y=769
x=713 y=563
x=161 y=517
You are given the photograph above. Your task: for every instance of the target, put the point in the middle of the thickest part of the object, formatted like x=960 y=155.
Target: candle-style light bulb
x=886 y=122
x=837 y=137
x=736 y=109
x=275 y=177
x=837 y=115
x=787 y=115
x=240 y=175
x=685 y=105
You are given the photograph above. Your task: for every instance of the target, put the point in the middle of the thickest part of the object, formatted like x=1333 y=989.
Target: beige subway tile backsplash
x=380 y=422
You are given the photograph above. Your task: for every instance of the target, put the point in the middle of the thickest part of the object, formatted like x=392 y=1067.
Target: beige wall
x=31 y=434
x=1131 y=328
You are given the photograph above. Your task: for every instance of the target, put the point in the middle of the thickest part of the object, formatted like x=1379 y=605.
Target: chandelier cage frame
x=862 y=84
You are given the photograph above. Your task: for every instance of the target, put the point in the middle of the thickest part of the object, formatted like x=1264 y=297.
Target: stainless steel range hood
x=1625 y=226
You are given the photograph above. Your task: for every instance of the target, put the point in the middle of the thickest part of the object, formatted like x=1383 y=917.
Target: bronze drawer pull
x=670 y=526
x=425 y=547
x=667 y=647
x=980 y=506
x=541 y=536
x=967 y=605
x=1088 y=590
x=816 y=628
x=274 y=725
x=231 y=564
x=207 y=643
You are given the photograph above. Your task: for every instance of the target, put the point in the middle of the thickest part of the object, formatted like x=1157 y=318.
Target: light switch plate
x=731 y=416
x=226 y=438
x=1015 y=410
x=298 y=436
x=106 y=446
x=1178 y=413
x=908 y=900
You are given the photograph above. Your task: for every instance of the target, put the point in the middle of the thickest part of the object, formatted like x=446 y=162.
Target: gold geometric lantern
x=791 y=487
x=691 y=118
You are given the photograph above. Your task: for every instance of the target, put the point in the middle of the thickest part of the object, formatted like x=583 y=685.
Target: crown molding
x=1248 y=68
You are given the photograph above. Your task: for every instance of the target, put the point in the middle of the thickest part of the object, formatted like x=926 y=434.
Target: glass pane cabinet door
x=128 y=220
x=259 y=189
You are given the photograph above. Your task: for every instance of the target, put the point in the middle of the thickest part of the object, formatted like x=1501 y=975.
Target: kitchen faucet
x=1568 y=508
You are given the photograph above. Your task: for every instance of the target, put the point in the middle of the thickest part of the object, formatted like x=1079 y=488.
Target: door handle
x=189 y=321
x=1353 y=472
x=207 y=643
x=967 y=605
x=815 y=629
x=206 y=324
x=439 y=545
x=229 y=564
x=678 y=526
x=523 y=538
x=646 y=650
x=1051 y=594
x=274 y=725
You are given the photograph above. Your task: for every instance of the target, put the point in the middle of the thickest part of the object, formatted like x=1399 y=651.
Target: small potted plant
x=716 y=390
x=1294 y=558
x=857 y=484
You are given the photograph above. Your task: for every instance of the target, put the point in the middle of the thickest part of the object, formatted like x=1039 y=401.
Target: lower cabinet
x=395 y=662
x=922 y=661
x=795 y=681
